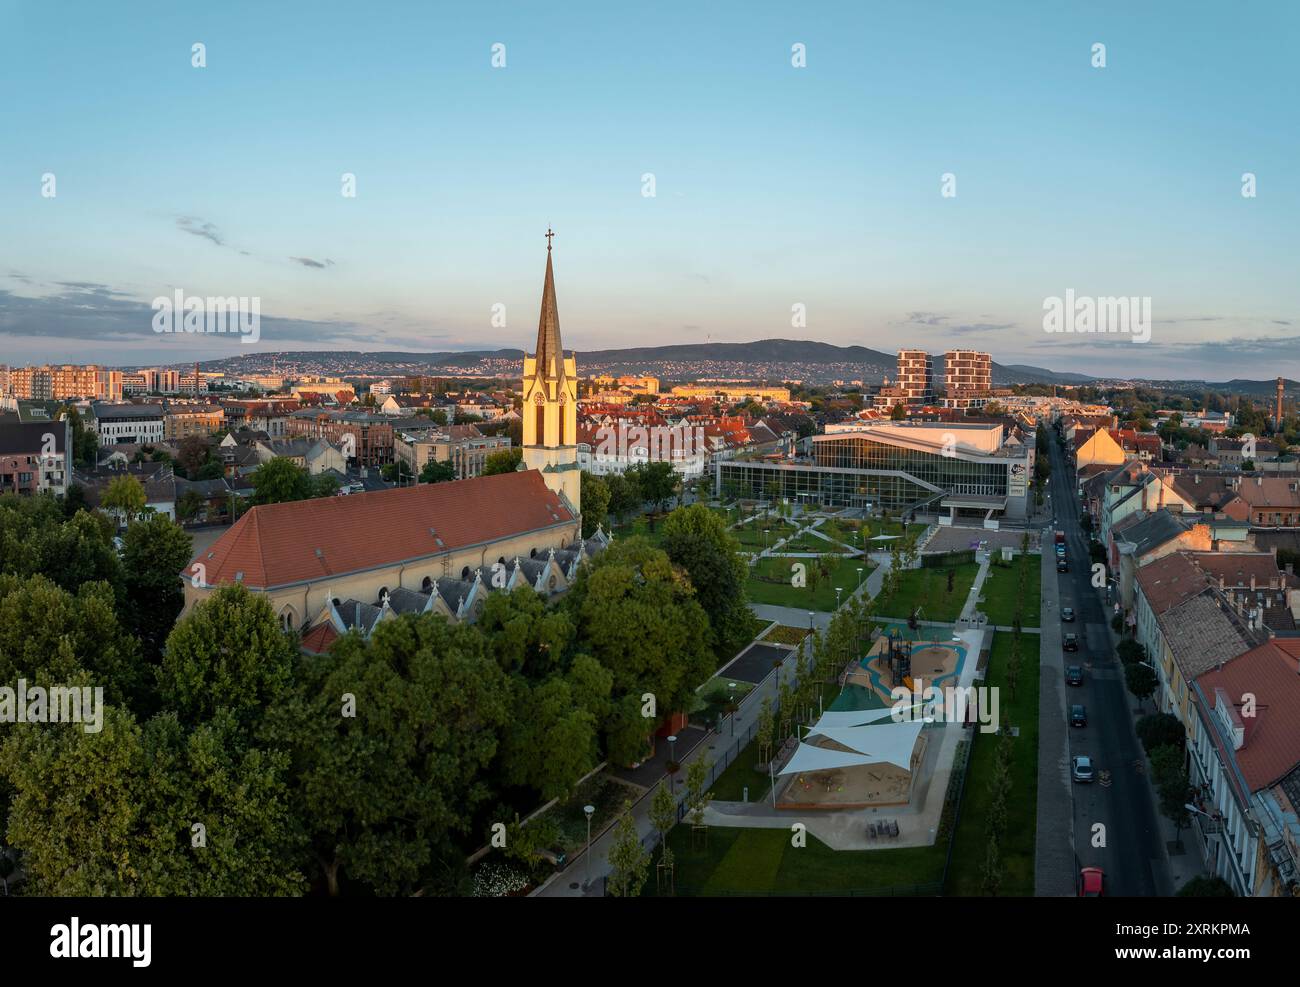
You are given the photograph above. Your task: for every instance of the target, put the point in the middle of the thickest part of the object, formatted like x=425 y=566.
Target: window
x=464 y=573
x=287 y=619
x=426 y=584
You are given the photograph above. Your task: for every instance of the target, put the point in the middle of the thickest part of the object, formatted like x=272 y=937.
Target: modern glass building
x=968 y=470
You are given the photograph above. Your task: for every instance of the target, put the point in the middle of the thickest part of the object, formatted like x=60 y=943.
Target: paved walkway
x=1054 y=854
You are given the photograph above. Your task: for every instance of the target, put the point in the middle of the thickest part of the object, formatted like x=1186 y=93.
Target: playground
x=896 y=661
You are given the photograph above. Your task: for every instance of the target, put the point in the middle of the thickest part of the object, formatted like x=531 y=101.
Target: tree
x=658 y=481
x=697 y=799
x=393 y=738
x=624 y=494
x=175 y=813
x=324 y=485
x=766 y=727
x=435 y=472
x=628 y=859
x=189 y=504
x=1169 y=774
x=124 y=499
x=1205 y=886
x=551 y=740
x=49 y=635
x=1130 y=651
x=1141 y=681
x=191 y=453
x=75 y=500
x=1158 y=730
x=898 y=412
x=154 y=552
x=595 y=496
x=279 y=481
x=639 y=619
x=697 y=539
x=503 y=461
x=228 y=653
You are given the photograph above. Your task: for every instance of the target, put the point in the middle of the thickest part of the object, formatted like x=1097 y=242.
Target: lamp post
x=837 y=597
x=731 y=705
x=859 y=577
x=589 y=810
x=672 y=757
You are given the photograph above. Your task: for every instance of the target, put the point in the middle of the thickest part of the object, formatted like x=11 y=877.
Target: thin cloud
x=309 y=262
x=198 y=227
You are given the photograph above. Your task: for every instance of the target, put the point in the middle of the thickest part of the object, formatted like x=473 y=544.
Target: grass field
x=762 y=861
x=821 y=596
x=928 y=589
x=750 y=535
x=640 y=526
x=1002 y=591
x=807 y=542
x=971 y=838
x=783 y=634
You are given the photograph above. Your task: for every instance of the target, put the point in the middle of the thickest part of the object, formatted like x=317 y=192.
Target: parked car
x=1074 y=675
x=1091 y=882
x=1078 y=715
x=1067 y=614
x=1081 y=768
x=1060 y=550
x=1070 y=642
x=1062 y=565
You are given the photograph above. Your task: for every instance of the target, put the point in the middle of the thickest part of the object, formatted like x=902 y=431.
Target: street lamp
x=837 y=597
x=810 y=621
x=731 y=705
x=590 y=811
x=672 y=757
x=859 y=577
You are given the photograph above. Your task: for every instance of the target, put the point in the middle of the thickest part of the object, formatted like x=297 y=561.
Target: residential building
x=35 y=457
x=141 y=424
x=915 y=376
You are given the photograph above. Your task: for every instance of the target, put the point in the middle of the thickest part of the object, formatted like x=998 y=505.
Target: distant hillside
x=764 y=358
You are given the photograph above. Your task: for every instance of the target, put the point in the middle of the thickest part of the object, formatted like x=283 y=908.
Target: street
x=1132 y=855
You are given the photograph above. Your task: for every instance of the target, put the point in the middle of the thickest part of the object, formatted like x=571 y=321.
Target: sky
x=776 y=188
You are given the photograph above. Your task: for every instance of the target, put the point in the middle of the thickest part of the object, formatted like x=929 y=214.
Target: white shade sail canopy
x=882 y=743
x=855 y=718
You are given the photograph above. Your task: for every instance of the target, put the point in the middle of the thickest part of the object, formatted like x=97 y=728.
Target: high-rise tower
x=551 y=401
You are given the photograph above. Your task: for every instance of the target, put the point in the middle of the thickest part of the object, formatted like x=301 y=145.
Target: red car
x=1091 y=880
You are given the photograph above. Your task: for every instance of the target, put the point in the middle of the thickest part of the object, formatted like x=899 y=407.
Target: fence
x=947 y=559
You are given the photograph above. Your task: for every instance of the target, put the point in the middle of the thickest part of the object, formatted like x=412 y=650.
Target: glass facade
x=855 y=470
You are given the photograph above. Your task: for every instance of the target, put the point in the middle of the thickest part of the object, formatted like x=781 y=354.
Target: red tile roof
x=280 y=544
x=1272 y=738
x=317 y=641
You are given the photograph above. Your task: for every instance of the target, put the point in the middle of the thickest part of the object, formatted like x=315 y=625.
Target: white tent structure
x=858 y=717
x=881 y=743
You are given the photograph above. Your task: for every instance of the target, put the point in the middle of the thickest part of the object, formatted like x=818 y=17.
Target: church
x=331 y=564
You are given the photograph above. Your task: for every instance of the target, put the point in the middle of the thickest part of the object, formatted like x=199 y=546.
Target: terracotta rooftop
x=281 y=544
x=1272 y=737
x=1170 y=581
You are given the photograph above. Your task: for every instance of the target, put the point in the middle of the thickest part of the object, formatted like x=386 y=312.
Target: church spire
x=549 y=354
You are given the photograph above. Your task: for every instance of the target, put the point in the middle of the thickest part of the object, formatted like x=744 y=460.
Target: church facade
x=550 y=403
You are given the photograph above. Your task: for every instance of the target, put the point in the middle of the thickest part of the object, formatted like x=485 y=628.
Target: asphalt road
x=1133 y=857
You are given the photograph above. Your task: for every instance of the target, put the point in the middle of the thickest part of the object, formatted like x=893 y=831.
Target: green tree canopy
x=279 y=481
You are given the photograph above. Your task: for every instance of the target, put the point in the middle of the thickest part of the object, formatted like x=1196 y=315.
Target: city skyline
x=775 y=186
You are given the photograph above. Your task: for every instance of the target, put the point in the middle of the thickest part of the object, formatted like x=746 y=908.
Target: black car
x=1074 y=675
x=1070 y=642
x=1067 y=614
x=1062 y=565
x=1078 y=715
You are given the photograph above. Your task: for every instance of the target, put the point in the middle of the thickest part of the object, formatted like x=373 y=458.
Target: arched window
x=287 y=619
x=464 y=573
x=383 y=595
x=426 y=584
x=532 y=553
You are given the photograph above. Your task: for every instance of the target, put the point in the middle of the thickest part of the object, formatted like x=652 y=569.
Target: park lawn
x=814 y=596
x=1002 y=592
x=750 y=535
x=970 y=842
x=763 y=861
x=928 y=589
x=641 y=526
x=811 y=543
x=729 y=786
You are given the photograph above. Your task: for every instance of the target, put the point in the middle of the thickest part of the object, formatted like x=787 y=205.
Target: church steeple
x=549 y=354
x=550 y=405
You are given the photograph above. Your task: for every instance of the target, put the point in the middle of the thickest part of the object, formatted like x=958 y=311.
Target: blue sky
x=775 y=185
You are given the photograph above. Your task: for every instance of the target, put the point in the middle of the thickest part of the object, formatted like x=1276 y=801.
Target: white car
x=1081 y=768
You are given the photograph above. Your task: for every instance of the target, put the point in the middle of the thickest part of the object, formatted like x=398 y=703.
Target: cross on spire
x=549 y=234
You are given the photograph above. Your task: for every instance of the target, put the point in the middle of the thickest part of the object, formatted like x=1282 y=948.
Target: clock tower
x=550 y=407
